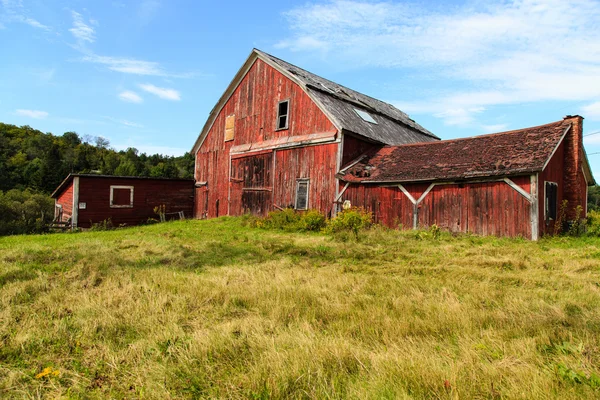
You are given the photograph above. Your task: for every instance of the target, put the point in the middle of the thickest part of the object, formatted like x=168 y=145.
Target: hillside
x=215 y=309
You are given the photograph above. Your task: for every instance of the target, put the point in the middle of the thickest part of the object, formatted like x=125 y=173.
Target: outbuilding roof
x=67 y=181
x=500 y=154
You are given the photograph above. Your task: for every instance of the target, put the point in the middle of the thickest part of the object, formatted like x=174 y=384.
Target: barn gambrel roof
x=339 y=103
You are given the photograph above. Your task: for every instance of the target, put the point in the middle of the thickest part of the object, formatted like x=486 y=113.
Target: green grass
x=213 y=309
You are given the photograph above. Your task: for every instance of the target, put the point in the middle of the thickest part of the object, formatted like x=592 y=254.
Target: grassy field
x=215 y=309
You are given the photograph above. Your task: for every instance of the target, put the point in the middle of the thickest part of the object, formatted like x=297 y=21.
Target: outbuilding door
x=252 y=184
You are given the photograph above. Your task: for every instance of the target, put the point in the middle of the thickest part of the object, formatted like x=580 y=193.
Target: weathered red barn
x=283 y=137
x=278 y=136
x=82 y=200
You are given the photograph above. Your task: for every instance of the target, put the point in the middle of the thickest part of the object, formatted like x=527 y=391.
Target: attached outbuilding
x=506 y=184
x=85 y=199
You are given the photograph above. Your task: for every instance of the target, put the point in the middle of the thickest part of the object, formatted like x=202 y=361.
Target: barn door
x=251 y=183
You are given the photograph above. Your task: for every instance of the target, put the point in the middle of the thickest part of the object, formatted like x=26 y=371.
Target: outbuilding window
x=302 y=194
x=121 y=196
x=283 y=112
x=551 y=200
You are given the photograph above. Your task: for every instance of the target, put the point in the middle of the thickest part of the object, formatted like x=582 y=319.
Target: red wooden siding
x=490 y=208
x=554 y=172
x=147 y=193
x=254 y=106
x=354 y=148
x=66 y=201
x=389 y=204
x=317 y=163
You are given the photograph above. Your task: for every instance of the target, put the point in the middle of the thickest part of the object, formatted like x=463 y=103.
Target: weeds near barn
x=220 y=310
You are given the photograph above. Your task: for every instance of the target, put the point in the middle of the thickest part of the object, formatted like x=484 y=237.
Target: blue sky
x=146 y=73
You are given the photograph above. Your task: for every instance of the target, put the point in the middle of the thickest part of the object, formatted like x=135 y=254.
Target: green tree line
x=34 y=163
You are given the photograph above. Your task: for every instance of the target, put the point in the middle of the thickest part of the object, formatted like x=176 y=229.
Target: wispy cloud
x=147 y=10
x=14 y=11
x=131 y=97
x=80 y=30
x=592 y=110
x=124 y=122
x=37 y=114
x=494 y=128
x=163 y=93
x=495 y=52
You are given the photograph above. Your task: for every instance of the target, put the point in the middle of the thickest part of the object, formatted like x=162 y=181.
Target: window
x=229 y=127
x=551 y=200
x=283 y=112
x=365 y=116
x=121 y=196
x=302 y=194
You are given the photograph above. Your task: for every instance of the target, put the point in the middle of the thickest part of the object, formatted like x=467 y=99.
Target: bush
x=351 y=220
x=593 y=223
x=286 y=219
x=22 y=211
x=313 y=221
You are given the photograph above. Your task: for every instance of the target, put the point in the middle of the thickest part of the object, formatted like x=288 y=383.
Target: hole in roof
x=365 y=116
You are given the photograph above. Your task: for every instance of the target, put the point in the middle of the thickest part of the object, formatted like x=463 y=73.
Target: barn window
x=365 y=116
x=229 y=128
x=302 y=194
x=121 y=196
x=551 y=200
x=283 y=112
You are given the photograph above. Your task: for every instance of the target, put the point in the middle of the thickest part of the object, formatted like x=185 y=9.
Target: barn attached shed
x=84 y=199
x=505 y=184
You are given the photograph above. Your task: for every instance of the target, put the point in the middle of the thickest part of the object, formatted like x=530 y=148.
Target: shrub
x=351 y=220
x=313 y=221
x=593 y=223
x=286 y=219
x=22 y=211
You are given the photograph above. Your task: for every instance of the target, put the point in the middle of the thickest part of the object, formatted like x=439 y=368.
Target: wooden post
x=535 y=210
x=75 y=212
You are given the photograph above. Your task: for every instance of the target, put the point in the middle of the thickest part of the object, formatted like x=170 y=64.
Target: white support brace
x=518 y=188
x=535 y=209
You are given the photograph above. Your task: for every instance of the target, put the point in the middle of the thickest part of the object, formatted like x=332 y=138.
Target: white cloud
x=506 y=52
x=459 y=116
x=494 y=128
x=125 y=122
x=592 y=110
x=32 y=113
x=80 y=30
x=131 y=97
x=163 y=93
x=14 y=11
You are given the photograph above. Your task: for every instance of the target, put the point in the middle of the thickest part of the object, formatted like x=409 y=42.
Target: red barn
x=283 y=137
x=82 y=200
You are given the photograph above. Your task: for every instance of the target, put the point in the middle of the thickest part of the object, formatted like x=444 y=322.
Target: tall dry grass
x=216 y=310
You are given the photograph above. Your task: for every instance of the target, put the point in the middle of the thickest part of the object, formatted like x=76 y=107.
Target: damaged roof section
x=392 y=126
x=500 y=154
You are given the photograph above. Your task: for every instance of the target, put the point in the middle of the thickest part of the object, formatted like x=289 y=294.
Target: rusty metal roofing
x=393 y=126
x=500 y=154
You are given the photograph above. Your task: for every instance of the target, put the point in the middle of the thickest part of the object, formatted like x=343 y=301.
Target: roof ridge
x=443 y=141
x=351 y=96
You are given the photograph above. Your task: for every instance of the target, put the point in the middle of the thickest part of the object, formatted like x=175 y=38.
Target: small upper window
x=301 y=194
x=365 y=116
x=283 y=112
x=551 y=200
x=229 y=127
x=121 y=196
